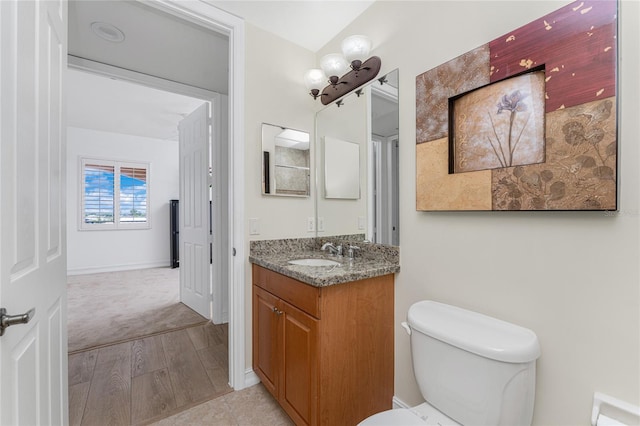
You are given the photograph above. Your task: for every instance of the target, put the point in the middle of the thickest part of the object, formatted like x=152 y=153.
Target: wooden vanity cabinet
x=325 y=353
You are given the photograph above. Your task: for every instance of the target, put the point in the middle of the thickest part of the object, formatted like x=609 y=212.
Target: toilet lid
x=400 y=416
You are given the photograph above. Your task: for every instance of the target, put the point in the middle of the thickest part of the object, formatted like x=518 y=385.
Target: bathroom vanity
x=323 y=337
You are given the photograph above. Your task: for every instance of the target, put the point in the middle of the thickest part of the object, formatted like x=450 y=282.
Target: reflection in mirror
x=368 y=118
x=384 y=211
x=347 y=122
x=285 y=161
x=341 y=169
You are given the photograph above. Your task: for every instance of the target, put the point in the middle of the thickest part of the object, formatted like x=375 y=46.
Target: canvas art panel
x=487 y=140
x=499 y=125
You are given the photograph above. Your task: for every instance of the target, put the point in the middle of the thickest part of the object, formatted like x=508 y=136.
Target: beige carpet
x=115 y=307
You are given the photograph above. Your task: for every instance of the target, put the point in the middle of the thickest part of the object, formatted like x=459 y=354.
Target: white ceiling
x=155 y=43
x=116 y=106
x=160 y=45
x=308 y=23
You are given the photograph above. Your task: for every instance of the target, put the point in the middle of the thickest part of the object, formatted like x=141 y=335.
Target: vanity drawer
x=303 y=296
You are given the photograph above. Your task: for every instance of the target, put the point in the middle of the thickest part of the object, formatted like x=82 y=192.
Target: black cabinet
x=174 y=234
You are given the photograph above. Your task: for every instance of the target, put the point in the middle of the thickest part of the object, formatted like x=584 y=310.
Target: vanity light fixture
x=335 y=70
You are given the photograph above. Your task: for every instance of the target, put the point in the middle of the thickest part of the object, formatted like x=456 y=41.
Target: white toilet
x=472 y=370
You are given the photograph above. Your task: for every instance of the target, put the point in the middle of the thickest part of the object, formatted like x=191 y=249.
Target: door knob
x=9 y=320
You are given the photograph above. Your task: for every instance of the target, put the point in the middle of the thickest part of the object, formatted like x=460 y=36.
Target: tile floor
x=248 y=407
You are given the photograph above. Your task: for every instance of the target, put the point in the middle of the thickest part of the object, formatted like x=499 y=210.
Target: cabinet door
x=265 y=338
x=299 y=377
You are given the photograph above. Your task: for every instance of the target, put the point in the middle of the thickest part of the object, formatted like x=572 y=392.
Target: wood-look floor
x=148 y=379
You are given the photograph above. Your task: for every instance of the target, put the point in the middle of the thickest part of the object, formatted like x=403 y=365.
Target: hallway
x=146 y=380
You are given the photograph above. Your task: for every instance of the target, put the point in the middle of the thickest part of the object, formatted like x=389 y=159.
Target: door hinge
x=233 y=251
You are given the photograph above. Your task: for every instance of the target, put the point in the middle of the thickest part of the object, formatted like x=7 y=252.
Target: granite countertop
x=372 y=260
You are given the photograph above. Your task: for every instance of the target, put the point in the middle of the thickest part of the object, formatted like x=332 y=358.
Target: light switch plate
x=311 y=224
x=320 y=224
x=254 y=226
x=361 y=221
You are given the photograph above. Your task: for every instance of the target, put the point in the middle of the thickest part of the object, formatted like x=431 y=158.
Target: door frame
x=215 y=19
x=207 y=15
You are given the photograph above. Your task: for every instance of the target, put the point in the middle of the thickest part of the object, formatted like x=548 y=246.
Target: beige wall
x=133 y=248
x=573 y=278
x=275 y=94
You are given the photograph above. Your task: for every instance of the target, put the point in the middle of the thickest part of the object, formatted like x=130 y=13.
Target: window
x=115 y=195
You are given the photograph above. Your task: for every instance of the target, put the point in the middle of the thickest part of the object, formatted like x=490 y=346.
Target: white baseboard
x=117 y=268
x=250 y=378
x=398 y=403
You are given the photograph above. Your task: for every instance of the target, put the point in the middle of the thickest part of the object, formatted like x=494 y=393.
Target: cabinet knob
x=277 y=311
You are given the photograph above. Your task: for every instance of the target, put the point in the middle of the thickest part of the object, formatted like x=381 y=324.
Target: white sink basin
x=314 y=262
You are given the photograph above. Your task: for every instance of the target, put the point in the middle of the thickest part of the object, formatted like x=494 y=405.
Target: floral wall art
x=525 y=122
x=499 y=125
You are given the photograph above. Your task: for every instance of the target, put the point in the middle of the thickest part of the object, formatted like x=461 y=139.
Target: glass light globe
x=356 y=48
x=334 y=65
x=315 y=79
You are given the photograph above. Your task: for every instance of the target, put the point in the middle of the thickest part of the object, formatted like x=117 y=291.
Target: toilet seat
x=422 y=415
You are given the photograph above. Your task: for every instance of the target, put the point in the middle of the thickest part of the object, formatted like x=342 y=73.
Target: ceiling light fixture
x=107 y=32
x=334 y=66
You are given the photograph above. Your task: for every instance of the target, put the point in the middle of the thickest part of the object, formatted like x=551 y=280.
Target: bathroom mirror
x=285 y=161
x=367 y=119
x=341 y=168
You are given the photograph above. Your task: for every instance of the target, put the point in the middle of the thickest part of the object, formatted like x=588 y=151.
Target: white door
x=220 y=209
x=195 y=255
x=33 y=356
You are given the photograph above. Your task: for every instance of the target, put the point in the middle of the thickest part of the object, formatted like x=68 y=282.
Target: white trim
x=105 y=70
x=236 y=193
x=385 y=91
x=117 y=268
x=398 y=403
x=200 y=12
x=250 y=378
x=204 y=13
x=371 y=173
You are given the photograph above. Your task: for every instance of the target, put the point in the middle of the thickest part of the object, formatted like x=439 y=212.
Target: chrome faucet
x=351 y=252
x=337 y=250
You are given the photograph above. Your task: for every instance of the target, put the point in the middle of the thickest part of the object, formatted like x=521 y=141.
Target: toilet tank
x=475 y=369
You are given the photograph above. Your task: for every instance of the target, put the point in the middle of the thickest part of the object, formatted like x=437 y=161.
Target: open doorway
x=114 y=125
x=180 y=52
x=126 y=161
x=220 y=178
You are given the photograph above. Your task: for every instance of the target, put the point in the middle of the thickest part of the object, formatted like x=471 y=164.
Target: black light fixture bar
x=351 y=80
